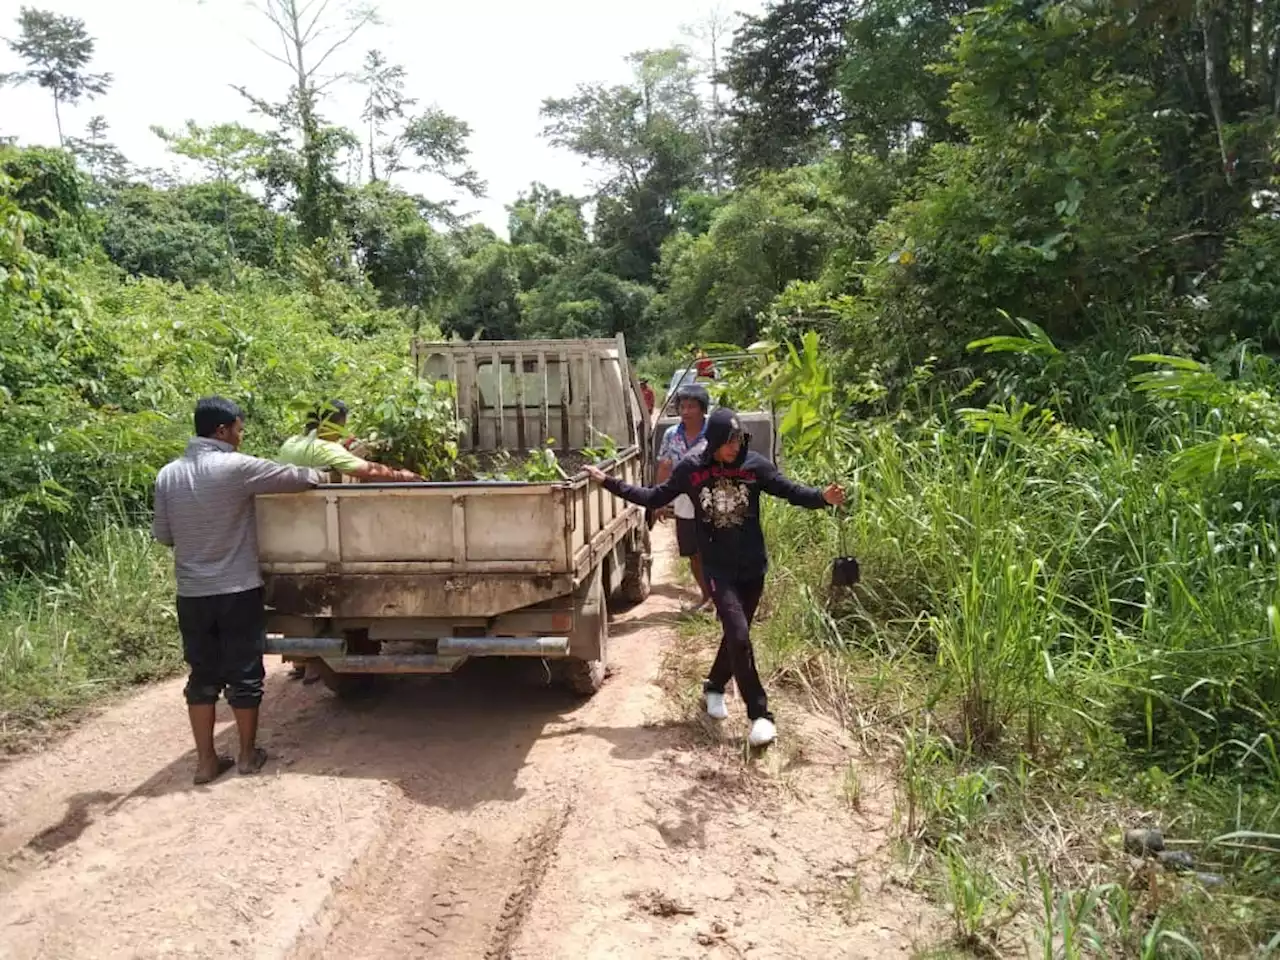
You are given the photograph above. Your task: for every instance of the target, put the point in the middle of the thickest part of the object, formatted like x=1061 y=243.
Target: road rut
x=482 y=815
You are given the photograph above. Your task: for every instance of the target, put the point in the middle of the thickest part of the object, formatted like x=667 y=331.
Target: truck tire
x=637 y=575
x=346 y=686
x=585 y=675
x=352 y=686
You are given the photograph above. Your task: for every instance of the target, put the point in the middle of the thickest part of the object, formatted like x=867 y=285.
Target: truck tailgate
x=450 y=529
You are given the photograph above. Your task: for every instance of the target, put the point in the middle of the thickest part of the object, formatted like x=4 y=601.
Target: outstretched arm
x=335 y=456
x=368 y=470
x=658 y=496
x=263 y=476
x=774 y=483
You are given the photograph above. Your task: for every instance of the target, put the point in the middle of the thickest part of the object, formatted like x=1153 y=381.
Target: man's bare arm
x=368 y=470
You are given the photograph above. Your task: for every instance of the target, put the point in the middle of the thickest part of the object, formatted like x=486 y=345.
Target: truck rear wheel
x=584 y=675
x=636 y=576
x=352 y=686
x=346 y=686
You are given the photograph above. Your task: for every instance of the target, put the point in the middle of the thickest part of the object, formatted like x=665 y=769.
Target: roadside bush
x=108 y=621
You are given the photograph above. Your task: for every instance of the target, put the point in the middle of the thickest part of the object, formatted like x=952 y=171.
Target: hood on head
x=721 y=425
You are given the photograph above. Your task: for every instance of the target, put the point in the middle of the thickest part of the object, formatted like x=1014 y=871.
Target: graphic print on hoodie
x=726 y=500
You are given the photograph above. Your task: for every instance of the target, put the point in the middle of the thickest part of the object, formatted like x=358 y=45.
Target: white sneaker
x=763 y=733
x=716 y=709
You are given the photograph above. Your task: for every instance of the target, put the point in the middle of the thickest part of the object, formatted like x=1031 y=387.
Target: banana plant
x=1250 y=414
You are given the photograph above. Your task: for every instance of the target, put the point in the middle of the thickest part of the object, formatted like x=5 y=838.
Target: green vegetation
x=1010 y=272
x=1061 y=628
x=106 y=621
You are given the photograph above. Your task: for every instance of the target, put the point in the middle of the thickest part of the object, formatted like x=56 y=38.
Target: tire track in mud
x=539 y=851
x=472 y=817
x=450 y=891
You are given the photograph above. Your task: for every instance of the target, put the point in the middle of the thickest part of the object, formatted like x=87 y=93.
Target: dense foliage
x=1024 y=256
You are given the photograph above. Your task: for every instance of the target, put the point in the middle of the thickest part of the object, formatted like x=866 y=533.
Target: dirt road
x=474 y=816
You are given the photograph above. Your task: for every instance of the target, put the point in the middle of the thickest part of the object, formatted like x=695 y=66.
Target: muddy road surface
x=482 y=815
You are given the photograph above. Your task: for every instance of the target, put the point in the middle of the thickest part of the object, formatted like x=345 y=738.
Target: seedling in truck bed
x=607 y=449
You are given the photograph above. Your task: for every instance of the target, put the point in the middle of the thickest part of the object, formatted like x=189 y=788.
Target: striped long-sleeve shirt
x=204 y=510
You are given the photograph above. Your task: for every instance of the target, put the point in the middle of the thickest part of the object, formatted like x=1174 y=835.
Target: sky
x=489 y=62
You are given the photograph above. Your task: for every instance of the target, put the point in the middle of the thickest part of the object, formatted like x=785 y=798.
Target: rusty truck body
x=365 y=579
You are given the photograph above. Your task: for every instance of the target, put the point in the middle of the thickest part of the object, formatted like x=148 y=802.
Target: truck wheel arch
x=584 y=670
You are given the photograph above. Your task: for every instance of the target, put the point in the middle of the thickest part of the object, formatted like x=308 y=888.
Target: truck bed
x=454 y=549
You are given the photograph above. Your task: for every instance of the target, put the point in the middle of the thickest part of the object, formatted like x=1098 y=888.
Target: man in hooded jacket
x=724 y=479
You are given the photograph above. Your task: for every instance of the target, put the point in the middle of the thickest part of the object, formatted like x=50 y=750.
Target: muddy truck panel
x=441 y=550
x=365 y=579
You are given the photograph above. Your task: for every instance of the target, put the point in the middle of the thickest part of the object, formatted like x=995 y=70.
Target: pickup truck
x=366 y=579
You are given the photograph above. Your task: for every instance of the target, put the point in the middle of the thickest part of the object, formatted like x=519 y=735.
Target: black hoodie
x=726 y=500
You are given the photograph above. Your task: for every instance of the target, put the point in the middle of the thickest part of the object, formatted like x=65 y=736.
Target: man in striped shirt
x=204 y=510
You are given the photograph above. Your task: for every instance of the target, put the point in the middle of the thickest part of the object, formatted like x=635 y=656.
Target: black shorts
x=687 y=537
x=223 y=639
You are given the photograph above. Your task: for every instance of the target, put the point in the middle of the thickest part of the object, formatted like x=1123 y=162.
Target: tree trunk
x=1273 y=66
x=226 y=227
x=1262 y=61
x=1247 y=40
x=309 y=206
x=57 y=116
x=717 y=171
x=1211 y=27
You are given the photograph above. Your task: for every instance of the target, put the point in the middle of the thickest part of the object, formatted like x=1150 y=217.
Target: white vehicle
x=761 y=424
x=368 y=579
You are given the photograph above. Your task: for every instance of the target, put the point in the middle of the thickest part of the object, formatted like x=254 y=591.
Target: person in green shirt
x=320 y=447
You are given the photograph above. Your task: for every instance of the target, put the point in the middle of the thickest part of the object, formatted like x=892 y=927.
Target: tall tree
x=408 y=262
x=434 y=138
x=58 y=51
x=585 y=298
x=229 y=154
x=711 y=37
x=626 y=128
x=439 y=142
x=648 y=137
x=547 y=218
x=310 y=33
x=891 y=93
x=488 y=304
x=102 y=158
x=547 y=230
x=384 y=101
x=784 y=69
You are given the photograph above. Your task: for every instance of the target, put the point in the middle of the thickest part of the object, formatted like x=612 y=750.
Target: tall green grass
x=1063 y=620
x=1054 y=578
x=107 y=622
